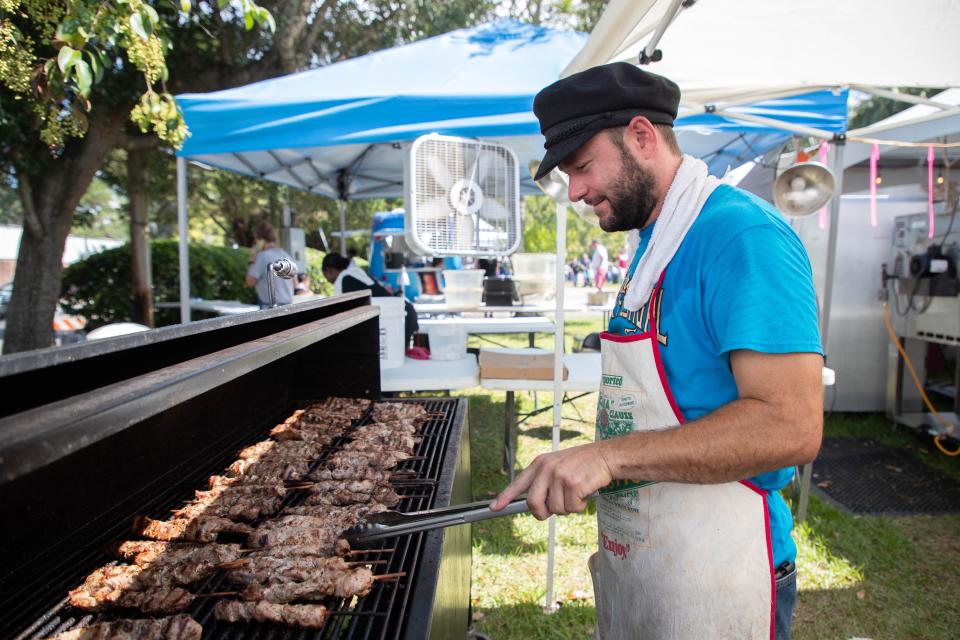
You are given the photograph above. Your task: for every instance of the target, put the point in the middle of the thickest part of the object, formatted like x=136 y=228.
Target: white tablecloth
x=431 y=375
x=533 y=324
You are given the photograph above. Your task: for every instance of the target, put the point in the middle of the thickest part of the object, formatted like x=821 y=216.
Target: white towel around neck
x=685 y=198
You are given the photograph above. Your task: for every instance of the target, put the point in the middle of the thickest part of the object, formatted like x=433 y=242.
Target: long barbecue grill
x=93 y=435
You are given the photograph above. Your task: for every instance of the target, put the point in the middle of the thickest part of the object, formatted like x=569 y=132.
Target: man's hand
x=559 y=482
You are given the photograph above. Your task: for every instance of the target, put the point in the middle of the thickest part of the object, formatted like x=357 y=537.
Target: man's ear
x=640 y=132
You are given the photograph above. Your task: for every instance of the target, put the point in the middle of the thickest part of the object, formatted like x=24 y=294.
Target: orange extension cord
x=916 y=380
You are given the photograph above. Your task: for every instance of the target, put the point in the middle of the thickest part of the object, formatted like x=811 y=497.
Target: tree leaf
x=136 y=23
x=248 y=20
x=151 y=14
x=96 y=65
x=67 y=57
x=266 y=18
x=84 y=77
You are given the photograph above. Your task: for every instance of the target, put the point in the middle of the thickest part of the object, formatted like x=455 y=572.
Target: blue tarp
x=724 y=143
x=342 y=130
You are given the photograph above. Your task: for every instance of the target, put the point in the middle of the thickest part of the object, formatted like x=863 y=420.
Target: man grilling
x=711 y=385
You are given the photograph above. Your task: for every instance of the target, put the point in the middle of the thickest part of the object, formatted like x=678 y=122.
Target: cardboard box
x=598 y=298
x=517 y=366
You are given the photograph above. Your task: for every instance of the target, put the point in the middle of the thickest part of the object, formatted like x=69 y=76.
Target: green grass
x=859 y=576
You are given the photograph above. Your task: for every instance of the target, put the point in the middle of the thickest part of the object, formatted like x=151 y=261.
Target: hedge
x=100 y=289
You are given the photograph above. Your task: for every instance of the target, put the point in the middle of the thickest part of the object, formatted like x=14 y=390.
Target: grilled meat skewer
x=351 y=492
x=341 y=584
x=266 y=570
x=199 y=529
x=319 y=527
x=179 y=627
x=382 y=460
x=273 y=449
x=269 y=468
x=311 y=616
x=151 y=601
x=153 y=553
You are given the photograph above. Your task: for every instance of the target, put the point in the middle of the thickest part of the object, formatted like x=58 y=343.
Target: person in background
x=622 y=258
x=586 y=269
x=599 y=264
x=258 y=273
x=302 y=287
x=352 y=256
x=346 y=278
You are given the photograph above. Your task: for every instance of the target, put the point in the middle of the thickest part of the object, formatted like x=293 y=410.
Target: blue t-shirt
x=741 y=279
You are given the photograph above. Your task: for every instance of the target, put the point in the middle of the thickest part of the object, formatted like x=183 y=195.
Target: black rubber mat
x=864 y=476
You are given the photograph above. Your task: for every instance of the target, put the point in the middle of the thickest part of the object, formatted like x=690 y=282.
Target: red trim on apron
x=773 y=578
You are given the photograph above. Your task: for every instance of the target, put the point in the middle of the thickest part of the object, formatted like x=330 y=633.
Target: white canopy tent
x=727 y=53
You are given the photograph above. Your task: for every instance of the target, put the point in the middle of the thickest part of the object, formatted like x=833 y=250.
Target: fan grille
x=463 y=197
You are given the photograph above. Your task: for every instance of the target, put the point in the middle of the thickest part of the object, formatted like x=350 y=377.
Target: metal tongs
x=388 y=524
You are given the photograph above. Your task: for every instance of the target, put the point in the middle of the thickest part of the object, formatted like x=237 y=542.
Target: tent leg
x=342 y=205
x=837 y=166
x=550 y=604
x=184 y=247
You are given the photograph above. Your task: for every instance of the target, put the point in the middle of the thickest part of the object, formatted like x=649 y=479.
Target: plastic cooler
x=447 y=342
x=463 y=288
x=392 y=348
x=535 y=275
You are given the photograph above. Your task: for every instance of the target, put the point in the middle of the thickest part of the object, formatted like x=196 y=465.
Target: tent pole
x=184 y=239
x=342 y=205
x=837 y=166
x=874 y=129
x=668 y=17
x=550 y=604
x=776 y=124
x=900 y=97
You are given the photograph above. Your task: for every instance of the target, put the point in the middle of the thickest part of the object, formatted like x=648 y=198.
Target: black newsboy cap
x=573 y=109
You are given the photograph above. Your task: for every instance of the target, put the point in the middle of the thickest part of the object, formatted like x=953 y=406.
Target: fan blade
x=439 y=172
x=493 y=210
x=486 y=167
x=464 y=230
x=436 y=209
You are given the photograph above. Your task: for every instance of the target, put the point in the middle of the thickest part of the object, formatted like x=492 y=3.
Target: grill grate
x=41 y=610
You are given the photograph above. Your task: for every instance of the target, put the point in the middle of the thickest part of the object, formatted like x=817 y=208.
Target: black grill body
x=151 y=416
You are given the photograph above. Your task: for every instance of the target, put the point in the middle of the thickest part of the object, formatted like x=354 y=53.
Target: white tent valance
x=719 y=50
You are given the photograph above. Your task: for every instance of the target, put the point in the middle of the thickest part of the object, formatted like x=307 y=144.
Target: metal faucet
x=281 y=268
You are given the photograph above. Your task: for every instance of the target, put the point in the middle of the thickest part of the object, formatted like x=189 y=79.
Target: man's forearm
x=739 y=440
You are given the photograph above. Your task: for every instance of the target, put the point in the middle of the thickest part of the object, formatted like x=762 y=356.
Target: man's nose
x=576 y=190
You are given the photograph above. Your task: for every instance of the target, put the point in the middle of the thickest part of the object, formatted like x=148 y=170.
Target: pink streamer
x=930 y=158
x=874 y=159
x=822 y=158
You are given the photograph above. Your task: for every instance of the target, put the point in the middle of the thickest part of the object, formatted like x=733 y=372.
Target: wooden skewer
x=218 y=594
x=357 y=552
x=356 y=563
x=389 y=576
x=419 y=495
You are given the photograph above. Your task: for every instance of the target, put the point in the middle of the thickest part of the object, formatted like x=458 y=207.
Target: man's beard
x=632 y=197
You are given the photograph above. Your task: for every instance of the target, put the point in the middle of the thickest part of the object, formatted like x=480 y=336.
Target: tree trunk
x=139 y=242
x=49 y=194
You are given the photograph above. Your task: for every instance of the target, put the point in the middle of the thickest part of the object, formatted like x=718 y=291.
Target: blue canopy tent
x=343 y=130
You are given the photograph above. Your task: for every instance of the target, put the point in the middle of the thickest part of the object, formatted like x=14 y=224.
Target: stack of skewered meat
x=295 y=557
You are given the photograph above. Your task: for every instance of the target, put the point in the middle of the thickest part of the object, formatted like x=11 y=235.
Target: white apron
x=675 y=560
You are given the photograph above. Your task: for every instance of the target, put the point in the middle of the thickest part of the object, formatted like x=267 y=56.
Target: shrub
x=100 y=289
